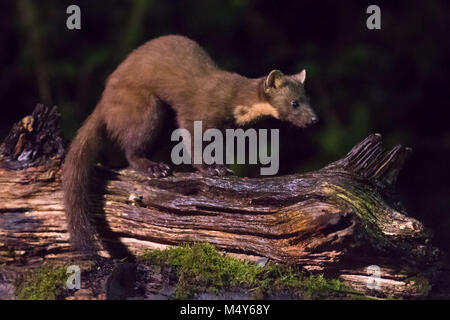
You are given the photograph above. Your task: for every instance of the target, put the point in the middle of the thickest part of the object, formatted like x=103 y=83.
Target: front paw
x=158 y=170
x=214 y=170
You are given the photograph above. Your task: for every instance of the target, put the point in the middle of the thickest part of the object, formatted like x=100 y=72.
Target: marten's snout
x=303 y=119
x=310 y=116
x=312 y=121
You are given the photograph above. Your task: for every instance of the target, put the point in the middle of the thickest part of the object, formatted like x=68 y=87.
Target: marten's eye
x=294 y=104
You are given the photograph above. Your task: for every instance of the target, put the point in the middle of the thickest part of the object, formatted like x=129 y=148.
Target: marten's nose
x=315 y=119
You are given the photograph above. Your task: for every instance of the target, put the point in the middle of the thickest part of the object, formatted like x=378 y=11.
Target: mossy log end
x=340 y=220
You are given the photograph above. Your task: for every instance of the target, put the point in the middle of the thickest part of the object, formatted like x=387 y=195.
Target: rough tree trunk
x=338 y=220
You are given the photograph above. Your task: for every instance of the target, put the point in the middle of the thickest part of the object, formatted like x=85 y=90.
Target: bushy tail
x=76 y=173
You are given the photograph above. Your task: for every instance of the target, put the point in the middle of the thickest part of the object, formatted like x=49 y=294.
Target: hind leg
x=136 y=126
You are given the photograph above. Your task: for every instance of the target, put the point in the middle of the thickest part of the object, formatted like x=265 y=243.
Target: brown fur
x=168 y=71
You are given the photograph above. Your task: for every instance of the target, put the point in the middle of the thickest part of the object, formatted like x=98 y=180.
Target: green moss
x=201 y=268
x=420 y=284
x=278 y=278
x=44 y=283
x=368 y=208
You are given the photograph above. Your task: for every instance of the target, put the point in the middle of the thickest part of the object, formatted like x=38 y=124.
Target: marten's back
x=173 y=68
x=186 y=54
x=169 y=58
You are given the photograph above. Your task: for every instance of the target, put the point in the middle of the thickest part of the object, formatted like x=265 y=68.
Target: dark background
x=393 y=81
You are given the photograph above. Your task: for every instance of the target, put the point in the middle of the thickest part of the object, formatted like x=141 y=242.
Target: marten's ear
x=300 y=76
x=273 y=80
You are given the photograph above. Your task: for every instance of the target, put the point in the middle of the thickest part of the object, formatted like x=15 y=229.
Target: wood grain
x=338 y=220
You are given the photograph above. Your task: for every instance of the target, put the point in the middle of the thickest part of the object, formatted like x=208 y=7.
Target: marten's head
x=286 y=94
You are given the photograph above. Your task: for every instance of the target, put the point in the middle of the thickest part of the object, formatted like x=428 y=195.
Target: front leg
x=213 y=169
x=146 y=166
x=203 y=168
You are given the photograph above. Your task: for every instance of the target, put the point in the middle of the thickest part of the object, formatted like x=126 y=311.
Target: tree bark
x=342 y=220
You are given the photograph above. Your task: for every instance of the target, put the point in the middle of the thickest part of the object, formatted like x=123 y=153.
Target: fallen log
x=342 y=220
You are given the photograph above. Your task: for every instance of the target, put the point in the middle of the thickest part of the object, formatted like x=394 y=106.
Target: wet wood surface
x=343 y=220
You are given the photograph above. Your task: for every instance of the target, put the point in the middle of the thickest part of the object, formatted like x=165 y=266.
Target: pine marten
x=169 y=71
